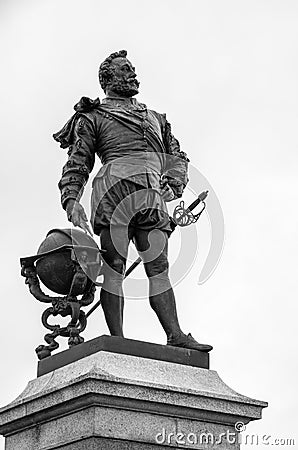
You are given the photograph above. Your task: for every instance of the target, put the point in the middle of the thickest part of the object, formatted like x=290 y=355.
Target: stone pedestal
x=116 y=401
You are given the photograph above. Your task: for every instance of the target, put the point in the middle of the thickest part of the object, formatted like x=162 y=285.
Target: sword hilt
x=183 y=216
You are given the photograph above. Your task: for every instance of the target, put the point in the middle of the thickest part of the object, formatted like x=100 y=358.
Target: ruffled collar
x=126 y=103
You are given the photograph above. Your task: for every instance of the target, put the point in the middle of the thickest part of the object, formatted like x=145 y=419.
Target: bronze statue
x=143 y=168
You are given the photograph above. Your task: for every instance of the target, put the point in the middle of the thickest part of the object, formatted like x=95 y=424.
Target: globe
x=56 y=269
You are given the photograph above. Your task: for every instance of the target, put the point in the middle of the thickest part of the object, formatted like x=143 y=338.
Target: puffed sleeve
x=176 y=168
x=81 y=158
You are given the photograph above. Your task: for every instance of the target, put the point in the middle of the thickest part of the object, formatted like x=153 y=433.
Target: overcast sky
x=225 y=72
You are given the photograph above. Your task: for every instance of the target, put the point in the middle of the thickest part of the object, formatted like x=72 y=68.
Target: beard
x=124 y=87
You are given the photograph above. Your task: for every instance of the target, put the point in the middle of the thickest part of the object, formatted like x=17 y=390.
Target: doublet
x=132 y=142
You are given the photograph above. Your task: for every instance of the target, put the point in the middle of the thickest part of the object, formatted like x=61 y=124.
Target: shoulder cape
x=83 y=106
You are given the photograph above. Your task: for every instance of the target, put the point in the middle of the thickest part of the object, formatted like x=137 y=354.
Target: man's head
x=117 y=75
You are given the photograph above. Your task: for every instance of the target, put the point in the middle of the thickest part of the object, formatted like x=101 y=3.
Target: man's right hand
x=77 y=216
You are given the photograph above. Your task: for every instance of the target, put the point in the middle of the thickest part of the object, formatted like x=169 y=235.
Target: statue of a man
x=129 y=193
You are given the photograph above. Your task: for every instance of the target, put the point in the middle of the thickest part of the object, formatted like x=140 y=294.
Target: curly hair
x=106 y=70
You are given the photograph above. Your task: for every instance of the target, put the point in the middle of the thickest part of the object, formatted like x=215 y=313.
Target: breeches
x=127 y=204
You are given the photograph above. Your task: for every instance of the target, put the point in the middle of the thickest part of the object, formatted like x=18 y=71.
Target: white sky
x=226 y=74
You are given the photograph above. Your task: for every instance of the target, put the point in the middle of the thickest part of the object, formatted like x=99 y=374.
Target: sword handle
x=201 y=198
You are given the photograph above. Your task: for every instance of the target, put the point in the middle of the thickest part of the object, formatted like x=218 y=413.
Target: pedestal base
x=114 y=401
x=124 y=346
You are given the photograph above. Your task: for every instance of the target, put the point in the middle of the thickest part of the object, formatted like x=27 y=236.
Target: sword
x=181 y=217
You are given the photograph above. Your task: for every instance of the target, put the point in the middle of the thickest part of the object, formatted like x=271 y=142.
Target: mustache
x=133 y=80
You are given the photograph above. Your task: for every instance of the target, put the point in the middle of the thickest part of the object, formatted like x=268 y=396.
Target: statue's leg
x=153 y=248
x=111 y=295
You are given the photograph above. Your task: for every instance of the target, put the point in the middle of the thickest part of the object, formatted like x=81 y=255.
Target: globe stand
x=83 y=266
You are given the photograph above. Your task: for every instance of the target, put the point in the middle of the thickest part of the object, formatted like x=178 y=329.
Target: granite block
x=123 y=401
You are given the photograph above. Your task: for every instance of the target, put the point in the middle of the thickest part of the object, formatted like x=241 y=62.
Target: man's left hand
x=167 y=193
